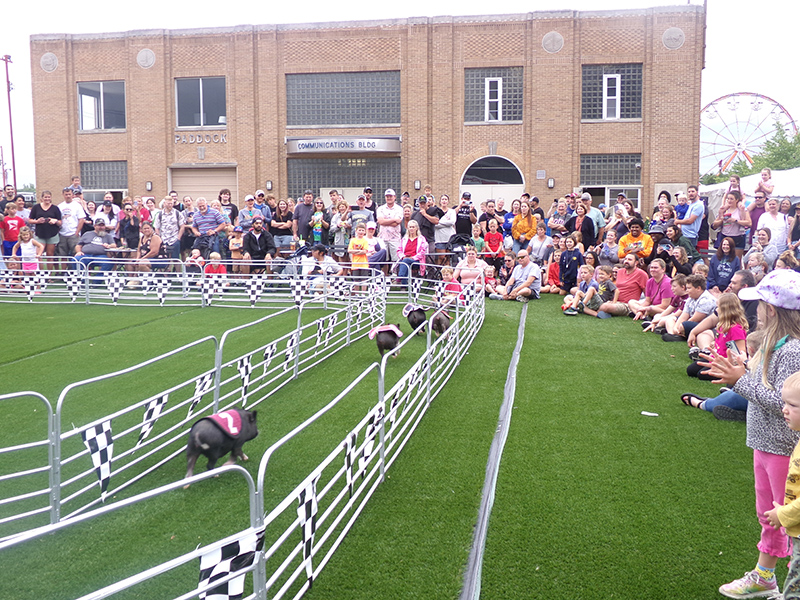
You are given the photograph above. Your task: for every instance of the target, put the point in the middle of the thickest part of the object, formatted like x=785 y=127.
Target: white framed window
x=200 y=102
x=101 y=105
x=493 y=99
x=611 y=96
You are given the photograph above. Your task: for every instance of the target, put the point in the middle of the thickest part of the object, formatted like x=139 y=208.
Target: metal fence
x=293 y=536
x=79 y=445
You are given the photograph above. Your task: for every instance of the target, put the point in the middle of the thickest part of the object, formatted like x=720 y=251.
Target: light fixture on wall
x=417 y=184
x=149 y=186
x=269 y=186
x=551 y=183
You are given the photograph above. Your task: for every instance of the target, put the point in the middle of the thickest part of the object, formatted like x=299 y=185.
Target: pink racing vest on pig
x=230 y=422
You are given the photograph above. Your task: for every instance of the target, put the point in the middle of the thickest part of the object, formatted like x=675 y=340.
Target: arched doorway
x=493 y=177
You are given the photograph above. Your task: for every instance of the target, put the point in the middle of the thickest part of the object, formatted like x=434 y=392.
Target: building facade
x=546 y=103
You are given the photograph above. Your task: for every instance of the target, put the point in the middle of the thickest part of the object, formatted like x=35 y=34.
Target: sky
x=749 y=45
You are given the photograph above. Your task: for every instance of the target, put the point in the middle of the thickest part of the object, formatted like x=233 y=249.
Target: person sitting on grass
x=699 y=305
x=723 y=265
x=524 y=283
x=490 y=281
x=586 y=282
x=631 y=282
x=756 y=264
x=509 y=262
x=679 y=295
x=657 y=292
x=553 y=285
x=731 y=329
x=595 y=297
x=570 y=262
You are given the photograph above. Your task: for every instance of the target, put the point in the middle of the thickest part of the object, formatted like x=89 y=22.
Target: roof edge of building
x=436 y=20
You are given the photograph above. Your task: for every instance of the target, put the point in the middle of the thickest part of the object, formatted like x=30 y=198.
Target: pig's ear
x=253 y=416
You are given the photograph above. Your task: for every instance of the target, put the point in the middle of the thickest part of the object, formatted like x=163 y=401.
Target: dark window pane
x=113 y=105
x=214 y=101
x=492 y=170
x=610 y=169
x=315 y=173
x=188 y=92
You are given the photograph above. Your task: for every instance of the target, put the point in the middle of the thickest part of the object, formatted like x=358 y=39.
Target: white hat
x=389 y=192
x=780 y=288
x=249 y=197
x=260 y=193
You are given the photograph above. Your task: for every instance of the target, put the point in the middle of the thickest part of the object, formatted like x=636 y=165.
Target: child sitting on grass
x=553 y=285
x=606 y=291
x=732 y=327
x=586 y=283
x=489 y=280
x=679 y=295
x=450 y=287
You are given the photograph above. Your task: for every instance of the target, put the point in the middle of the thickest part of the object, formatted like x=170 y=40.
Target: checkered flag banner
x=201 y=386
x=162 y=287
x=373 y=425
x=151 y=414
x=73 y=282
x=331 y=327
x=148 y=279
x=255 y=289
x=207 y=289
x=269 y=353
x=416 y=285
x=350 y=460
x=291 y=351
x=320 y=333
x=6 y=279
x=245 y=369
x=100 y=443
x=338 y=287
x=230 y=558
x=115 y=283
x=297 y=288
x=307 y=508
x=30 y=287
x=468 y=295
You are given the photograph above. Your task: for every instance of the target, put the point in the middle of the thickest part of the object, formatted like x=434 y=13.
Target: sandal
x=692 y=400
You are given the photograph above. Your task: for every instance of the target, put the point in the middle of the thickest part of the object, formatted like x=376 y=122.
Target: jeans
x=730 y=399
x=404 y=268
x=520 y=245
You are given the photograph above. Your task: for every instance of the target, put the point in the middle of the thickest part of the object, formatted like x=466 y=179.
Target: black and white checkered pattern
x=297 y=287
x=320 y=333
x=148 y=282
x=115 y=283
x=162 y=287
x=269 y=353
x=226 y=560
x=349 y=460
x=151 y=414
x=415 y=286
x=373 y=426
x=201 y=386
x=255 y=289
x=100 y=443
x=74 y=282
x=331 y=327
x=30 y=287
x=245 y=368
x=6 y=279
x=338 y=288
x=291 y=351
x=468 y=295
x=307 y=508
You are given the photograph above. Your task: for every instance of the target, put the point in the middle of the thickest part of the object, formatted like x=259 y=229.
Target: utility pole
x=7 y=59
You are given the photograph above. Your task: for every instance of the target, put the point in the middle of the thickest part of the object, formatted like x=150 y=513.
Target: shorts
x=361 y=273
x=441 y=245
x=53 y=240
x=66 y=245
x=738 y=241
x=8 y=246
x=595 y=302
x=701 y=245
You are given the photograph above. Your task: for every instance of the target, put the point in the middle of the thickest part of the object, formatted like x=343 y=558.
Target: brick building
x=545 y=102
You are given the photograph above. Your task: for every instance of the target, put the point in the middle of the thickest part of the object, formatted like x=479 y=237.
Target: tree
x=779 y=153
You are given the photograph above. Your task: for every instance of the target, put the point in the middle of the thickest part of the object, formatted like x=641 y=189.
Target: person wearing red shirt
x=631 y=283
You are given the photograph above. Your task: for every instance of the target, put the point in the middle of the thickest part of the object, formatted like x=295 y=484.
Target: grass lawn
x=594 y=500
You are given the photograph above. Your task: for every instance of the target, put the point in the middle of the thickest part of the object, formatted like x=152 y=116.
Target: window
x=611 y=96
x=611 y=92
x=493 y=94
x=611 y=169
x=494 y=99
x=328 y=173
x=492 y=170
x=101 y=105
x=201 y=102
x=104 y=175
x=337 y=99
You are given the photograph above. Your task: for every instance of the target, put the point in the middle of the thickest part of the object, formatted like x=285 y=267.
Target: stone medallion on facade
x=552 y=42
x=673 y=38
x=146 y=58
x=48 y=62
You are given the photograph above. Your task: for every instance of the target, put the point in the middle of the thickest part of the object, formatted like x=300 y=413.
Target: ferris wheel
x=736 y=126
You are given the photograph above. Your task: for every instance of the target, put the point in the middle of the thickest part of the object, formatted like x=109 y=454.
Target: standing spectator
x=777 y=223
x=340 y=229
x=466 y=216
x=390 y=216
x=508 y=223
x=444 y=229
x=10 y=226
x=128 y=228
x=582 y=223
x=493 y=246
x=733 y=221
x=359 y=213
x=230 y=210
x=558 y=217
x=490 y=214
x=46 y=216
x=694 y=216
x=168 y=225
x=756 y=209
x=303 y=211
x=597 y=218
x=523 y=229
x=427 y=217
x=72 y=218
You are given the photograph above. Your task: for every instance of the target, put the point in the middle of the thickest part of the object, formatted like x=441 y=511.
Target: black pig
x=215 y=436
x=415 y=314
x=440 y=322
x=386 y=336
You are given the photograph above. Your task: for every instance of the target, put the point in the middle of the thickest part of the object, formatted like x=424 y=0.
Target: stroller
x=289 y=268
x=457 y=247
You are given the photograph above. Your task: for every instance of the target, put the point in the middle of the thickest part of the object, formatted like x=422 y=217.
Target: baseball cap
x=238 y=228
x=249 y=197
x=779 y=288
x=657 y=228
x=586 y=196
x=388 y=192
x=367 y=189
x=466 y=195
x=371 y=225
x=622 y=195
x=260 y=193
x=258 y=218
x=107 y=202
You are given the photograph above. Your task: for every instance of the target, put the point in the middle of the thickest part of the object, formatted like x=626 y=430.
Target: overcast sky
x=751 y=46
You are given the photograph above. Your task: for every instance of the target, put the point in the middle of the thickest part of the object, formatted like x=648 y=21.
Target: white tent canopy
x=787 y=184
